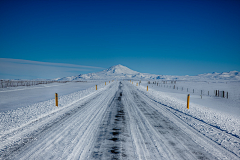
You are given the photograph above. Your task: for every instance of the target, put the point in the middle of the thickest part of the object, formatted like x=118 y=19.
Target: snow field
x=73 y=136
x=206 y=120
x=22 y=96
x=16 y=118
x=172 y=138
x=101 y=124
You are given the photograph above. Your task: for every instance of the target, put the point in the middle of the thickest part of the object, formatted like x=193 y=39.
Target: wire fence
x=201 y=92
x=16 y=83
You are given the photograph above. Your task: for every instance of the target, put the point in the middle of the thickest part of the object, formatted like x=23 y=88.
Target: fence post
x=147 y=88
x=188 y=99
x=105 y=83
x=96 y=87
x=56 y=99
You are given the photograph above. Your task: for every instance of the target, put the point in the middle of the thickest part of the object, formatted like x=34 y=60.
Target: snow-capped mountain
x=114 y=72
x=122 y=72
x=119 y=70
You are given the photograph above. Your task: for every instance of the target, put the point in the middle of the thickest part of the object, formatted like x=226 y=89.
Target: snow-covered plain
x=182 y=88
x=17 y=97
x=121 y=120
x=217 y=112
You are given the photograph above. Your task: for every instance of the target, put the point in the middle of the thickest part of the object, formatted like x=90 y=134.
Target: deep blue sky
x=155 y=36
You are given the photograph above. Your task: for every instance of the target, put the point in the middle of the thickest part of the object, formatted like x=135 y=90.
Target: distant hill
x=232 y=75
x=122 y=72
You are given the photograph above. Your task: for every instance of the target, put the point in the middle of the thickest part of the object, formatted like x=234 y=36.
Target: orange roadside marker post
x=56 y=99
x=188 y=99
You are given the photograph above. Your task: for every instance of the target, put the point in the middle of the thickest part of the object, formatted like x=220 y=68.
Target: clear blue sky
x=152 y=36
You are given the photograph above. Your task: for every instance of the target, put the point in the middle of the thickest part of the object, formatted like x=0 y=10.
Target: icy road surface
x=115 y=122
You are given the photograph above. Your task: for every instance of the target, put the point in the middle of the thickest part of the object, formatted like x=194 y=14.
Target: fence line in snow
x=16 y=83
x=171 y=84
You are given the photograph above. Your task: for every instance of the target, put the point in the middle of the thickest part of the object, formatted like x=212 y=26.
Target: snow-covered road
x=116 y=122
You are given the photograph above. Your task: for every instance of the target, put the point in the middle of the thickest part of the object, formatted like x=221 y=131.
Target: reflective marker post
x=56 y=99
x=188 y=99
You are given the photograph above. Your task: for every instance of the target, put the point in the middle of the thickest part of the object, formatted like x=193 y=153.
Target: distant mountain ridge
x=232 y=75
x=121 y=72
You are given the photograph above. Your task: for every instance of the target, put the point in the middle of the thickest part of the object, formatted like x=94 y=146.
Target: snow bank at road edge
x=223 y=121
x=13 y=119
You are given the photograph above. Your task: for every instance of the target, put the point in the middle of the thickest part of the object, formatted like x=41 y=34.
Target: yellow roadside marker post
x=147 y=88
x=56 y=99
x=188 y=99
x=105 y=83
x=137 y=84
x=96 y=87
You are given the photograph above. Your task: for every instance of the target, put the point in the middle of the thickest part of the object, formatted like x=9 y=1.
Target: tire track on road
x=213 y=133
x=113 y=140
x=155 y=135
x=59 y=135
